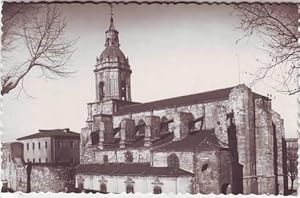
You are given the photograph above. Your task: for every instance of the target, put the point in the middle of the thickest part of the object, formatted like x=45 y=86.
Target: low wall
x=53 y=178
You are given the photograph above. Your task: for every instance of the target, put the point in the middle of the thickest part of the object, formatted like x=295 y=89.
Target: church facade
x=222 y=141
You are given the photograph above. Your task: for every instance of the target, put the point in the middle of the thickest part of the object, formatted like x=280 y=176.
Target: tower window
x=33 y=146
x=27 y=146
x=101 y=90
x=39 y=145
x=173 y=161
x=123 y=90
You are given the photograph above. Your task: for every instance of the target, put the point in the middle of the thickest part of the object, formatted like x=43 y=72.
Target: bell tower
x=112 y=69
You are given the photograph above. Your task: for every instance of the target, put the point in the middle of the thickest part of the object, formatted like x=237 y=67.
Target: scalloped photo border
x=149 y=195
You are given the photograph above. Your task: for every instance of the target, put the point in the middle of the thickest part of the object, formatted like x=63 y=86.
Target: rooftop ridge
x=206 y=96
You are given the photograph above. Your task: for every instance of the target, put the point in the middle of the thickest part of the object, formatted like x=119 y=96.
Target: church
x=221 y=141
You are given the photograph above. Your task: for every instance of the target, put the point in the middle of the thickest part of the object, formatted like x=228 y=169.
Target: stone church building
x=221 y=141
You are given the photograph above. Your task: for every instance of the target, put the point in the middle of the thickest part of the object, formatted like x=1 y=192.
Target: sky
x=173 y=50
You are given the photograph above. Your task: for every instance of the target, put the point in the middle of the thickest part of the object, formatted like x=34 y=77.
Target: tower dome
x=112 y=54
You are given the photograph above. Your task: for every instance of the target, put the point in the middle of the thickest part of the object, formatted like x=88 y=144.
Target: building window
x=128 y=157
x=27 y=160
x=72 y=144
x=157 y=190
x=105 y=158
x=103 y=188
x=46 y=144
x=33 y=146
x=129 y=188
x=173 y=161
x=33 y=160
x=40 y=161
x=39 y=145
x=27 y=146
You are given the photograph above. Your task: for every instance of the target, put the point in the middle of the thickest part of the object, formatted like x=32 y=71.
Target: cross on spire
x=111 y=27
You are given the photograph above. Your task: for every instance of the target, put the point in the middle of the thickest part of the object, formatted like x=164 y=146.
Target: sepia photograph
x=160 y=98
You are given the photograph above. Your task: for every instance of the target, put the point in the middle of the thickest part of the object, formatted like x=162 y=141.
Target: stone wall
x=13 y=170
x=197 y=110
x=208 y=171
x=241 y=101
x=264 y=147
x=50 y=178
x=278 y=136
x=92 y=155
x=159 y=159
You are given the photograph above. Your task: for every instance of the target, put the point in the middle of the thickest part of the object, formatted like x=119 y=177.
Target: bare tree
x=34 y=34
x=292 y=163
x=276 y=26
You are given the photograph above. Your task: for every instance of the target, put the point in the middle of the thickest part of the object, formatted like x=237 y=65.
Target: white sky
x=173 y=50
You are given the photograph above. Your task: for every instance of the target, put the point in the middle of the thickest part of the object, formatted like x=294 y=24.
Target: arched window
x=157 y=190
x=173 y=161
x=123 y=90
x=164 y=124
x=101 y=90
x=103 y=188
x=129 y=188
x=141 y=127
x=128 y=157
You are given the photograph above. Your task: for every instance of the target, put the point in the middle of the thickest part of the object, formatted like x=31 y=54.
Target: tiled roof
x=202 y=140
x=219 y=94
x=130 y=169
x=52 y=133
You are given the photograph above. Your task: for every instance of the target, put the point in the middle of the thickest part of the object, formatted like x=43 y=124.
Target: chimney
x=152 y=129
x=127 y=132
x=66 y=130
x=181 y=122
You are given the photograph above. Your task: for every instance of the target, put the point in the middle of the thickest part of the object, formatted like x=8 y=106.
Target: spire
x=111 y=26
x=112 y=38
